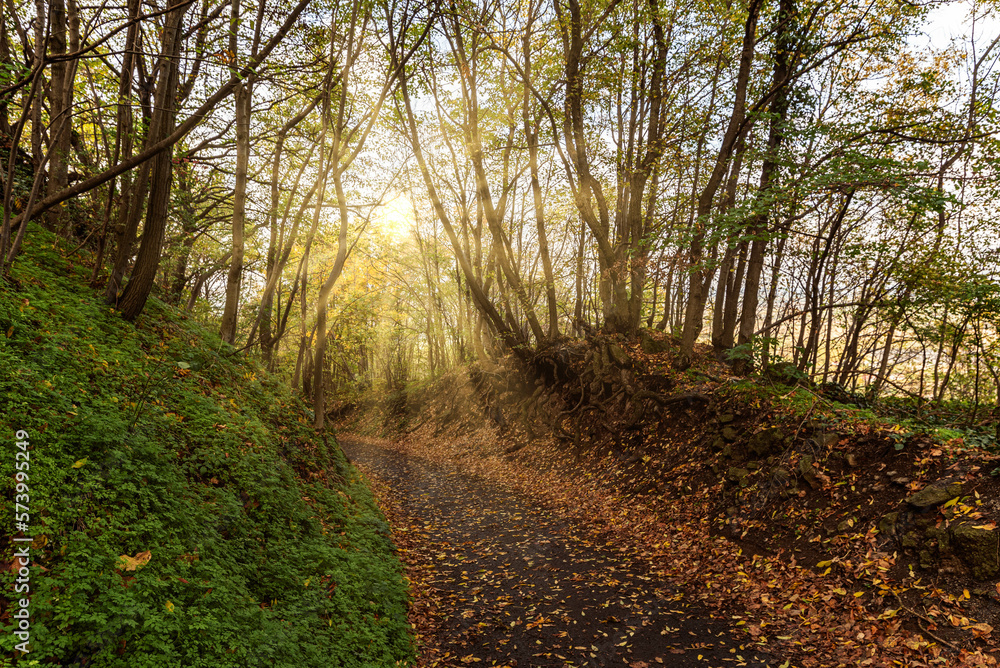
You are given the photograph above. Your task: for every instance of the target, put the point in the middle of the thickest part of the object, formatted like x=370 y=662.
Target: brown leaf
x=979 y=630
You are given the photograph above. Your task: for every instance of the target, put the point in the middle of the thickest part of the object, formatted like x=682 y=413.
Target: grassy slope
x=267 y=548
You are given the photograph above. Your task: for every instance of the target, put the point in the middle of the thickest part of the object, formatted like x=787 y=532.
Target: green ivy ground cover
x=183 y=513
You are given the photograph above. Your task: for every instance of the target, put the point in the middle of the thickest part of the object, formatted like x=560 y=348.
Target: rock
x=979 y=549
x=738 y=475
x=851 y=460
x=806 y=469
x=940 y=537
x=911 y=539
x=726 y=418
x=729 y=434
x=902 y=481
x=650 y=345
x=718 y=444
x=844 y=526
x=926 y=559
x=887 y=525
x=840 y=394
x=600 y=361
x=782 y=475
x=618 y=355
x=766 y=442
x=934 y=494
x=989 y=592
x=827 y=440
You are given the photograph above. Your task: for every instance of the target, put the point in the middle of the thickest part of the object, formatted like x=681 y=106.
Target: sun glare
x=396 y=219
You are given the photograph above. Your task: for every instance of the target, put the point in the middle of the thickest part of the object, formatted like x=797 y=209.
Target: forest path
x=514 y=585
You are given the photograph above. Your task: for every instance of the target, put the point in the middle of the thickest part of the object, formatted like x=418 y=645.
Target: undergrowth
x=897 y=417
x=183 y=512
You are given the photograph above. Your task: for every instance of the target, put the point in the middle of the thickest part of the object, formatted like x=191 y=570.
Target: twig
x=939 y=639
x=926 y=619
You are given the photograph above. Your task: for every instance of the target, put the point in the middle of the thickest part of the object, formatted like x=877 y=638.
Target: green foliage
x=895 y=418
x=266 y=547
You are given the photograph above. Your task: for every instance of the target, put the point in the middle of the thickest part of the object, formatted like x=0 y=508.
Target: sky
x=954 y=20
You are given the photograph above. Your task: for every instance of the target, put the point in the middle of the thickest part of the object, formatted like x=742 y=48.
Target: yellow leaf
x=965 y=592
x=823 y=564
x=170 y=606
x=134 y=563
x=79 y=463
x=949 y=504
x=840 y=590
x=985 y=527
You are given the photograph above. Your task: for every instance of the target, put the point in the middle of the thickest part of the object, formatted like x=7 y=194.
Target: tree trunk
x=695 y=312
x=531 y=135
x=227 y=329
x=147 y=262
x=242 y=101
x=784 y=50
x=5 y=57
x=64 y=32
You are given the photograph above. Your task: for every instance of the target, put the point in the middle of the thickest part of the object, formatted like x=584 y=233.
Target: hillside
x=181 y=509
x=830 y=534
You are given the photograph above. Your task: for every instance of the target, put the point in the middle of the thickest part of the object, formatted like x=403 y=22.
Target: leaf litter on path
x=497 y=580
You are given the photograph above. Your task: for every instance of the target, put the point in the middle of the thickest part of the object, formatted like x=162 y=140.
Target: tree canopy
x=368 y=192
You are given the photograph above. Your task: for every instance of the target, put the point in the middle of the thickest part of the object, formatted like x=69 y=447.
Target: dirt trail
x=520 y=587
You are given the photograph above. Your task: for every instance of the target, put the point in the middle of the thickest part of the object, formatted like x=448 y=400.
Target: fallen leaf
x=980 y=629
x=134 y=563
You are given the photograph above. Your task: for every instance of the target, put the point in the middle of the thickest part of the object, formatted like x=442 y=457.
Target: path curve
x=523 y=588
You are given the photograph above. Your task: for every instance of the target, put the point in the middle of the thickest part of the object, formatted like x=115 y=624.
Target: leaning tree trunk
x=147 y=262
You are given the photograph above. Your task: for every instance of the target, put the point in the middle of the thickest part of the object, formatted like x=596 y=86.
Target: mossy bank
x=181 y=509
